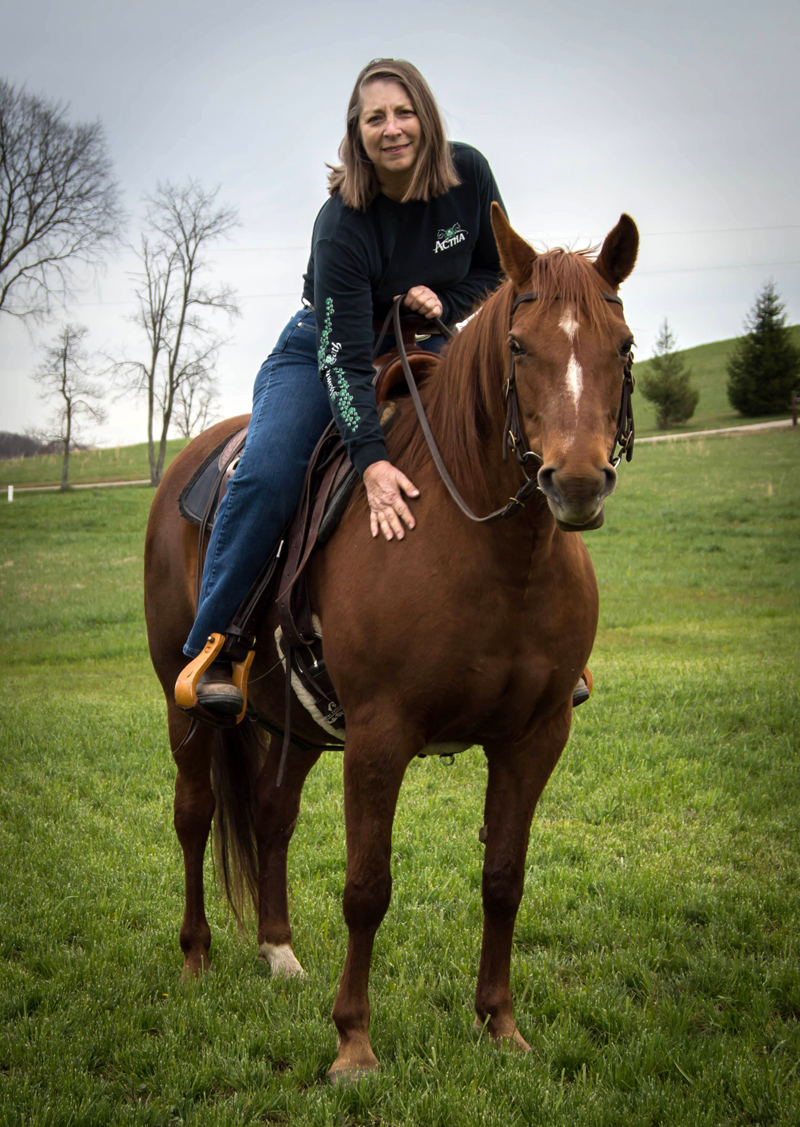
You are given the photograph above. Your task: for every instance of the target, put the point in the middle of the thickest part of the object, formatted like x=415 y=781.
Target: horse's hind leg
x=194 y=810
x=278 y=808
x=517 y=777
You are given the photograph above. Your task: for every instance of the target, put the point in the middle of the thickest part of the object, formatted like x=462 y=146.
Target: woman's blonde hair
x=434 y=171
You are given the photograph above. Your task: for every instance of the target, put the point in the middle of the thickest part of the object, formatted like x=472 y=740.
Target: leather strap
x=232 y=450
x=526 y=489
x=625 y=429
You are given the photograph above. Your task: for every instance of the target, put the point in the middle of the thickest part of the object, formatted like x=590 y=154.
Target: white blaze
x=574 y=371
x=568 y=324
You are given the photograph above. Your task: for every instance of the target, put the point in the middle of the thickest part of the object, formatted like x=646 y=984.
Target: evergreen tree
x=764 y=365
x=668 y=383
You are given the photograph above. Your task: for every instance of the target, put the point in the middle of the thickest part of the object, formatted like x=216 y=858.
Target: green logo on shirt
x=448 y=237
x=333 y=376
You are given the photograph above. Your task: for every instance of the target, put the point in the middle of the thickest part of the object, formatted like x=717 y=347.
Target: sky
x=683 y=114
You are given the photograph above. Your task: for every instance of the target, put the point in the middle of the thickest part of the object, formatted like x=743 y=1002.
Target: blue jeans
x=290 y=411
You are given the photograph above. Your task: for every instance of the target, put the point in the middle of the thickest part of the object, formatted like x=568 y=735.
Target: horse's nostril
x=545 y=478
x=610 y=485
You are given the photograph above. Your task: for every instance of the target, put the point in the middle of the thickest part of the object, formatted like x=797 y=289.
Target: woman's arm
x=343 y=304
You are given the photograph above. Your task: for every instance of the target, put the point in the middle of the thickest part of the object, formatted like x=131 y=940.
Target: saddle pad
x=205 y=481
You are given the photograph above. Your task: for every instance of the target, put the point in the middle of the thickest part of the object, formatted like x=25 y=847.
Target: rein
x=529 y=486
x=514 y=437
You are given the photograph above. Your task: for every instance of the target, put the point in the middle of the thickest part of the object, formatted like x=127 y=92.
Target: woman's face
x=390 y=130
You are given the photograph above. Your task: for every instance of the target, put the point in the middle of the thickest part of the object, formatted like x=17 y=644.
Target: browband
x=532 y=296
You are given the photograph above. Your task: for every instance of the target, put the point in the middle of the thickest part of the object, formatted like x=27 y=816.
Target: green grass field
x=129 y=463
x=114 y=463
x=656 y=968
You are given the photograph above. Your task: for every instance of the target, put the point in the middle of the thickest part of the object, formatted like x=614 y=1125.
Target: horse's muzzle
x=576 y=500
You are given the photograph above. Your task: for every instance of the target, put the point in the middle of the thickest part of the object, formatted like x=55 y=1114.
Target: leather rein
x=514 y=437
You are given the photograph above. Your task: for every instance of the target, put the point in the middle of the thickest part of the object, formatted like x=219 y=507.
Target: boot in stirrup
x=213 y=690
x=583 y=690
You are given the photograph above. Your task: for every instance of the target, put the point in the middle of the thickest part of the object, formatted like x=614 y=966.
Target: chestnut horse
x=460 y=633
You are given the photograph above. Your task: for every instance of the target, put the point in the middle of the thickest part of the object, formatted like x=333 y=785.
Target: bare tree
x=65 y=375
x=59 y=205
x=182 y=347
x=195 y=409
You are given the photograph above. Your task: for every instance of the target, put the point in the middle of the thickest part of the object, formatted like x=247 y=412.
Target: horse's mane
x=464 y=398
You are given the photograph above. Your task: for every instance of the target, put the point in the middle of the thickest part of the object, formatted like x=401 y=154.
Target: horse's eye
x=626 y=348
x=515 y=346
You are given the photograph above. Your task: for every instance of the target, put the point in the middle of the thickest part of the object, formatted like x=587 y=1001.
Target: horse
x=460 y=633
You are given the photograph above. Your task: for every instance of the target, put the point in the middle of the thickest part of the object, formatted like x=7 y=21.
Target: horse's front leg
x=517 y=776
x=193 y=812
x=373 y=771
x=278 y=808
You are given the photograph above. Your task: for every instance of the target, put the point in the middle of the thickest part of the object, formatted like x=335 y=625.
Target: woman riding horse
x=408 y=213
x=472 y=634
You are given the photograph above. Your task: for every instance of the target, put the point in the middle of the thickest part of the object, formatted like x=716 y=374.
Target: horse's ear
x=618 y=256
x=516 y=257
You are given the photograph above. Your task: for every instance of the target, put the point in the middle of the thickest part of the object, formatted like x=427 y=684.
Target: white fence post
x=11 y=492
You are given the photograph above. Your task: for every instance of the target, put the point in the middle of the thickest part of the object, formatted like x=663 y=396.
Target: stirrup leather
x=186 y=685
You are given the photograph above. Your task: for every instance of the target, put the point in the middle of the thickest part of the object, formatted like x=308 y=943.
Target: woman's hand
x=424 y=301
x=386 y=505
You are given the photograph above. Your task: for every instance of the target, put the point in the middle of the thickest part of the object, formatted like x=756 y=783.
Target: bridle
x=514 y=437
x=515 y=432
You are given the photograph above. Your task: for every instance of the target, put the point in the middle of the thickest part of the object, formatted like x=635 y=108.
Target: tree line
x=61 y=210
x=763 y=368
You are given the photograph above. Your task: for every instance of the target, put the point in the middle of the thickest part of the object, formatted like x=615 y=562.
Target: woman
x=408 y=213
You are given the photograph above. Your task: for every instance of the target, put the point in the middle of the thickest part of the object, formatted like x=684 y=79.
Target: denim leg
x=290 y=411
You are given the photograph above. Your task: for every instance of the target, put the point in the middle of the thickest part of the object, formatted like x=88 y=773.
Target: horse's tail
x=236 y=762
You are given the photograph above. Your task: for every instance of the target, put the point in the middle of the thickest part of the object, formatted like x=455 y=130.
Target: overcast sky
x=683 y=114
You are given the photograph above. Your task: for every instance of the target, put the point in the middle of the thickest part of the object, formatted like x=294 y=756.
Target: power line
x=639 y=274
x=721 y=230
x=235 y=250
x=644 y=235
x=132 y=300
x=726 y=266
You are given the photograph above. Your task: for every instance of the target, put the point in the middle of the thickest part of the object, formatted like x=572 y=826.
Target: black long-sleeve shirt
x=361 y=259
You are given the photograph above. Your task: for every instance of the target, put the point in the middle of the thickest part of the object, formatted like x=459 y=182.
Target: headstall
x=514 y=437
x=515 y=432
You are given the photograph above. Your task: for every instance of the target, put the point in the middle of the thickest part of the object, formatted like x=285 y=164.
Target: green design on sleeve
x=334 y=377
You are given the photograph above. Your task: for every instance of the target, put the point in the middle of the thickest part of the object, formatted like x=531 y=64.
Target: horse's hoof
x=282 y=960
x=350 y=1075
x=516 y=1042
x=194 y=967
x=355 y=1061
x=512 y=1039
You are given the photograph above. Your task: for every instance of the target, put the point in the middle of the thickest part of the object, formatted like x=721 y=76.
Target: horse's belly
x=450 y=747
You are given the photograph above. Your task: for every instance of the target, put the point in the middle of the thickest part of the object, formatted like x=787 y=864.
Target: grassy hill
x=115 y=463
x=707 y=363
x=129 y=463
